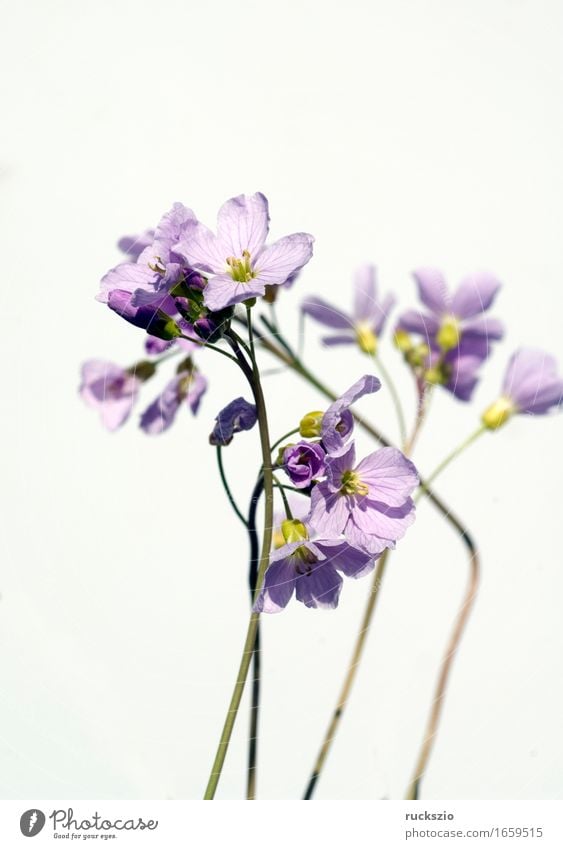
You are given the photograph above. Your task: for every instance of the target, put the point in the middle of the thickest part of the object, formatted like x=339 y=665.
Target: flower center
x=240 y=269
x=303 y=560
x=352 y=484
x=449 y=334
x=366 y=338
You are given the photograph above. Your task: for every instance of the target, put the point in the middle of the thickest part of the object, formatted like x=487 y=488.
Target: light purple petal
x=329 y=513
x=391 y=477
x=388 y=523
x=490 y=328
x=327 y=314
x=172 y=225
x=202 y=249
x=332 y=439
x=432 y=290
x=275 y=263
x=159 y=415
x=337 y=464
x=319 y=587
x=417 y=322
x=370 y=543
x=222 y=291
x=474 y=295
x=381 y=313
x=110 y=389
x=242 y=223
x=532 y=381
x=338 y=339
x=364 y=292
x=351 y=561
x=198 y=388
x=464 y=376
x=127 y=276
x=279 y=583
x=135 y=245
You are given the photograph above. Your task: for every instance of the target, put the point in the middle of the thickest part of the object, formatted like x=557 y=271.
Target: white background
x=401 y=133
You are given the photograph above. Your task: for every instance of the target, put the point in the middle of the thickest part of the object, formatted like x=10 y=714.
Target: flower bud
x=498 y=413
x=310 y=424
x=294 y=531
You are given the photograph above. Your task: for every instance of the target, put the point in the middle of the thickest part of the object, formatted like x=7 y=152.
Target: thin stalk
x=281 y=489
x=227 y=488
x=256 y=672
x=284 y=437
x=394 y=397
x=208 y=345
x=349 y=677
x=452 y=456
x=250 y=641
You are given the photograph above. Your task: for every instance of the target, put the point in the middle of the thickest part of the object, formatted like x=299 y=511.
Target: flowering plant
x=202 y=293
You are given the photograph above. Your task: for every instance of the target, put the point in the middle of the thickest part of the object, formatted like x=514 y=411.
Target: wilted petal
x=332 y=438
x=237 y=416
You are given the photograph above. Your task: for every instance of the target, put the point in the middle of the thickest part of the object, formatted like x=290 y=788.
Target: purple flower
x=110 y=389
x=365 y=325
x=303 y=462
x=236 y=416
x=453 y=317
x=187 y=386
x=237 y=257
x=369 y=503
x=457 y=370
x=154 y=346
x=337 y=423
x=310 y=569
x=531 y=385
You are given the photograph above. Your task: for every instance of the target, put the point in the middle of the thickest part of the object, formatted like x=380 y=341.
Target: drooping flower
x=310 y=569
x=237 y=257
x=187 y=386
x=110 y=389
x=369 y=503
x=303 y=462
x=532 y=384
x=236 y=416
x=365 y=325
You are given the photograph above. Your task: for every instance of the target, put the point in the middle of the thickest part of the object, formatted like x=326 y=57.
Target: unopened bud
x=310 y=424
x=294 y=531
x=498 y=413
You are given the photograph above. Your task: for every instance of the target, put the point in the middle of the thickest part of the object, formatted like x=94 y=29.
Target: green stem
x=284 y=437
x=394 y=397
x=208 y=345
x=227 y=488
x=250 y=641
x=281 y=489
x=450 y=458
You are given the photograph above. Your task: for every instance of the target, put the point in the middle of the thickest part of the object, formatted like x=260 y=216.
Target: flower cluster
x=357 y=510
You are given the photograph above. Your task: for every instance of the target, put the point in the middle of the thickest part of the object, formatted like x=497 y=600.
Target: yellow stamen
x=352 y=484
x=366 y=338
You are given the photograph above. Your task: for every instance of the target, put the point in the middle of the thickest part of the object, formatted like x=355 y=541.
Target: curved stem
x=250 y=641
x=226 y=486
x=394 y=397
x=452 y=456
x=208 y=345
x=281 y=489
x=284 y=437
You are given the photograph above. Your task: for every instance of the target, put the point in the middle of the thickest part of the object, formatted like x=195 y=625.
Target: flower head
x=236 y=416
x=110 y=389
x=369 y=503
x=455 y=331
x=531 y=385
x=187 y=386
x=365 y=325
x=303 y=462
x=237 y=257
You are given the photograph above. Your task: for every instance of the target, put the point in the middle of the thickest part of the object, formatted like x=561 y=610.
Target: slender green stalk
x=284 y=437
x=227 y=488
x=450 y=457
x=281 y=489
x=250 y=641
x=394 y=397
x=208 y=345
